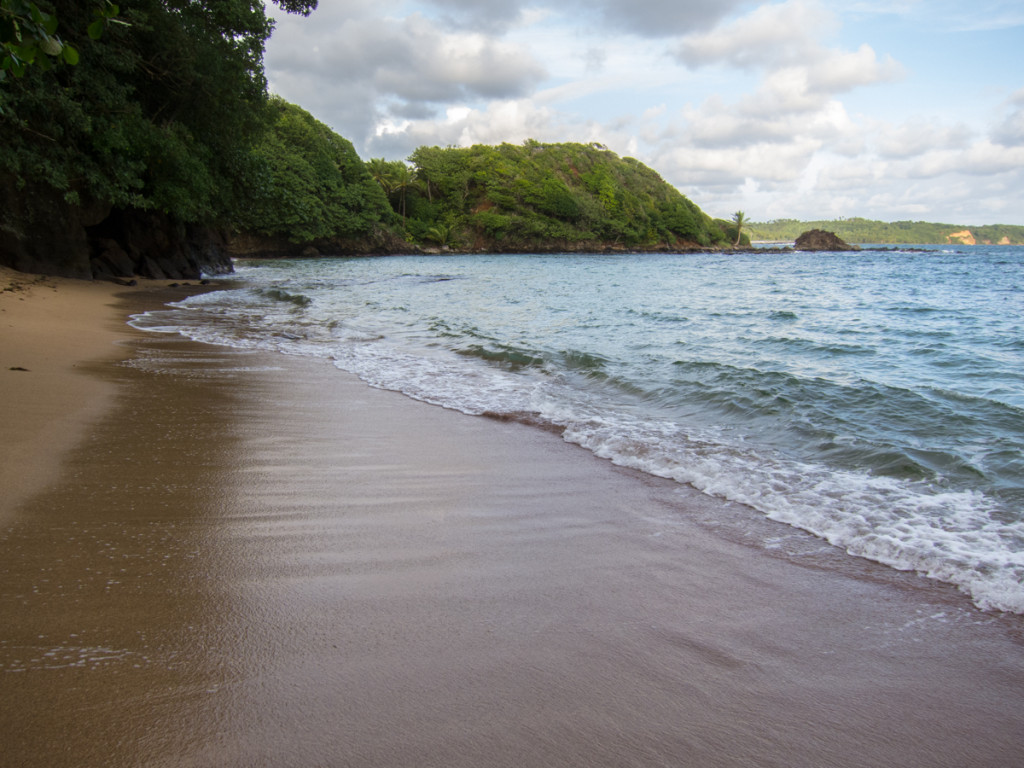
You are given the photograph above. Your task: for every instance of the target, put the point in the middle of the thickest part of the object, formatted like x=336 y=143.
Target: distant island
x=858 y=230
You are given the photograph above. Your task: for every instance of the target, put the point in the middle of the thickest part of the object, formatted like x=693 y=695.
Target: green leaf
x=50 y=24
x=96 y=29
x=70 y=55
x=24 y=53
x=50 y=46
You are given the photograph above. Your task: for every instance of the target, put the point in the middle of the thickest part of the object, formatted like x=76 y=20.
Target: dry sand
x=255 y=560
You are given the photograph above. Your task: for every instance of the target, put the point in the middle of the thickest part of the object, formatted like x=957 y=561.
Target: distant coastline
x=858 y=230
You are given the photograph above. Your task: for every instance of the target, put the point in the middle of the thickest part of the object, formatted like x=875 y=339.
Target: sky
x=804 y=109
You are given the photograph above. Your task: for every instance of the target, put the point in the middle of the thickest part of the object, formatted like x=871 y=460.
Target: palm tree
x=395 y=178
x=739 y=219
x=440 y=234
x=402 y=180
x=380 y=170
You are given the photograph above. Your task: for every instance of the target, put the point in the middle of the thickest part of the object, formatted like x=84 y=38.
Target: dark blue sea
x=872 y=398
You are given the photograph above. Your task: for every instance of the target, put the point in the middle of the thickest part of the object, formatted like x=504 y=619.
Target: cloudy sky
x=887 y=109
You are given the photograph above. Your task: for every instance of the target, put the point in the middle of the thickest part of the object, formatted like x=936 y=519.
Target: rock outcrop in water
x=820 y=240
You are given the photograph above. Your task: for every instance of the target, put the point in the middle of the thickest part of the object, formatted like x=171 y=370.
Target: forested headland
x=857 y=230
x=536 y=196
x=142 y=140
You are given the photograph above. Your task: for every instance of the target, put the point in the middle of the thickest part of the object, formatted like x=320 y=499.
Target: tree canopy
x=539 y=195
x=160 y=112
x=307 y=183
x=165 y=112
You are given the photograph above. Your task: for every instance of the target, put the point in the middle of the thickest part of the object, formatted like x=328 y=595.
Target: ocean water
x=874 y=399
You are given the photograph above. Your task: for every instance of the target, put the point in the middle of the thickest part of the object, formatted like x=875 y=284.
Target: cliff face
x=41 y=233
x=964 y=238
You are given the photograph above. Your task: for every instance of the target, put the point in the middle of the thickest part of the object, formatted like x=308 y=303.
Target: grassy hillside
x=858 y=230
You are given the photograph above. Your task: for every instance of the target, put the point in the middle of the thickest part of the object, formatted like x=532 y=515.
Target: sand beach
x=217 y=557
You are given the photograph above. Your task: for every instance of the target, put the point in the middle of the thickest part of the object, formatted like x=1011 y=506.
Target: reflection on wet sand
x=256 y=560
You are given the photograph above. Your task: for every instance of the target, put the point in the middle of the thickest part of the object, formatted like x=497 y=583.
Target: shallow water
x=875 y=398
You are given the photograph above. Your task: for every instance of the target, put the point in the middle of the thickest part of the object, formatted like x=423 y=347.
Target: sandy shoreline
x=249 y=559
x=51 y=328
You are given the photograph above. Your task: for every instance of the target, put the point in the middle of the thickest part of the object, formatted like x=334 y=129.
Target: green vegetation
x=28 y=35
x=739 y=219
x=25 y=33
x=307 y=183
x=858 y=230
x=163 y=123
x=539 y=197
x=160 y=113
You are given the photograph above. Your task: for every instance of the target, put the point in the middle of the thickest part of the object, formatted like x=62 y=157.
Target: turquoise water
x=875 y=399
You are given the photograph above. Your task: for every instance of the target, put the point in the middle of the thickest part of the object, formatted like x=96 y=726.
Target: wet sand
x=48 y=327
x=255 y=560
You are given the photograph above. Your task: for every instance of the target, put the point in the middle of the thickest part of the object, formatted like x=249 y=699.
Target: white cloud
x=414 y=60
x=648 y=18
x=839 y=71
x=501 y=121
x=718 y=169
x=362 y=71
x=919 y=136
x=661 y=18
x=1010 y=130
x=784 y=40
x=479 y=14
x=769 y=36
x=769 y=108
x=982 y=158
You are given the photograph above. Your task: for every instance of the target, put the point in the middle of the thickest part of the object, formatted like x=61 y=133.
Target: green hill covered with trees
x=307 y=183
x=538 y=196
x=858 y=230
x=141 y=140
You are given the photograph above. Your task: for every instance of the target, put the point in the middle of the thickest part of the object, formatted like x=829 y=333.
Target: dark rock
x=820 y=240
x=148 y=267
x=116 y=280
x=113 y=256
x=41 y=232
x=174 y=266
x=100 y=269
